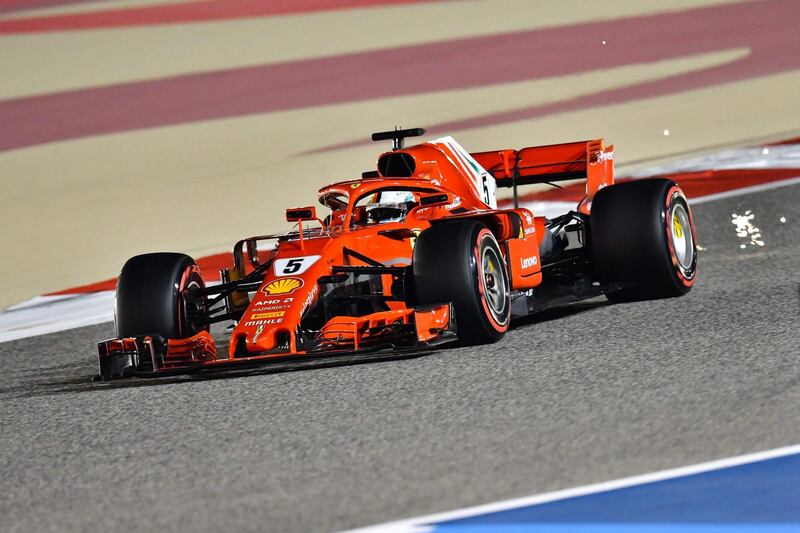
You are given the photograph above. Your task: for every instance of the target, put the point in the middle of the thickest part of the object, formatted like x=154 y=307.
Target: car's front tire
x=157 y=294
x=461 y=262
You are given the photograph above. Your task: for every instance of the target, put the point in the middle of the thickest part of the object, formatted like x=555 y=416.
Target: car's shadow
x=73 y=378
x=90 y=382
x=560 y=312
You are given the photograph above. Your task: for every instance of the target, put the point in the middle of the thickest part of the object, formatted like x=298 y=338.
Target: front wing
x=152 y=355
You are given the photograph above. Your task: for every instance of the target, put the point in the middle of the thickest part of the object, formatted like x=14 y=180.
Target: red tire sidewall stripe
x=500 y=328
x=181 y=287
x=673 y=193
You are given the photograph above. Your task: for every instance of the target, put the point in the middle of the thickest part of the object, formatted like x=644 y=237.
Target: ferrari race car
x=413 y=254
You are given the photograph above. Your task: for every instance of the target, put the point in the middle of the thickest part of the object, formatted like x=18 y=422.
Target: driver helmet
x=391 y=206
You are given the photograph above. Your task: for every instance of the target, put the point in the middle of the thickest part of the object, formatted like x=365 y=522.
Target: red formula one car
x=413 y=254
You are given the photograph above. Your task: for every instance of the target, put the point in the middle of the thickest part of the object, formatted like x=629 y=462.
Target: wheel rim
x=192 y=308
x=681 y=236
x=494 y=284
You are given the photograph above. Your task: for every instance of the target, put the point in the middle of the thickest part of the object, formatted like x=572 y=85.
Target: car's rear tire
x=461 y=262
x=643 y=238
x=157 y=294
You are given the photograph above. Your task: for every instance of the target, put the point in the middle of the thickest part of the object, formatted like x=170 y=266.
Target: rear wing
x=589 y=160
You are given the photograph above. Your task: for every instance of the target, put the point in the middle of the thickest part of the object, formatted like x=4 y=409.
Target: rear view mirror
x=433 y=199
x=301 y=213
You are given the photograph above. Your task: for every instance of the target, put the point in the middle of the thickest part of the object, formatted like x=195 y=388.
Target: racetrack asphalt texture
x=581 y=395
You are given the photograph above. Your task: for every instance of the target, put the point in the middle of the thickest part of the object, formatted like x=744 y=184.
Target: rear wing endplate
x=589 y=160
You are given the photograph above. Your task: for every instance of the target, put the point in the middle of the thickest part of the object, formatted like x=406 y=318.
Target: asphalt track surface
x=585 y=394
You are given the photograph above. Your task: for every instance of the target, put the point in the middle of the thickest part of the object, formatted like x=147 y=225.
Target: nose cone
x=270 y=323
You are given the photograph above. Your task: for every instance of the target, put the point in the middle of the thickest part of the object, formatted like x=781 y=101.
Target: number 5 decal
x=489 y=191
x=294 y=265
x=486 y=198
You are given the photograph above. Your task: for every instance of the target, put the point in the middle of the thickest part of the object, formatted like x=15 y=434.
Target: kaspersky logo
x=282 y=286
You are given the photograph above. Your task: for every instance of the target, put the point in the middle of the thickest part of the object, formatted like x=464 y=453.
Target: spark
x=666 y=133
x=745 y=229
x=783 y=220
x=604 y=42
x=765 y=151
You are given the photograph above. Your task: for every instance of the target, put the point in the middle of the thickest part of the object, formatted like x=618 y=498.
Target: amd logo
x=274 y=301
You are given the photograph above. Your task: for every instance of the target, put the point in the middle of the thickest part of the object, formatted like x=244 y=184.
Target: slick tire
x=643 y=238
x=460 y=262
x=155 y=296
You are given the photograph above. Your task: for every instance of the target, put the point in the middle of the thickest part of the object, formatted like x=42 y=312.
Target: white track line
x=424 y=524
x=753 y=158
x=51 y=314
x=745 y=190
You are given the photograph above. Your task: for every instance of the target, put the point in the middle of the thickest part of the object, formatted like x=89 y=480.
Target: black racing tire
x=153 y=297
x=461 y=262
x=643 y=239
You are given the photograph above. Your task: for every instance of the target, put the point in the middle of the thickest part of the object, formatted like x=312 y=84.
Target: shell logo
x=282 y=286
